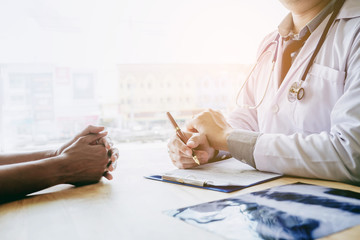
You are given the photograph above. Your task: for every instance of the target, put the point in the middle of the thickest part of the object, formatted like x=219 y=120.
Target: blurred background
x=122 y=64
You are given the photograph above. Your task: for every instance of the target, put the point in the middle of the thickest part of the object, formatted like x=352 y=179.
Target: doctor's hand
x=181 y=154
x=213 y=125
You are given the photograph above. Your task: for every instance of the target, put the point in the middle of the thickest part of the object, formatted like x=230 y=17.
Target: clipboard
x=224 y=176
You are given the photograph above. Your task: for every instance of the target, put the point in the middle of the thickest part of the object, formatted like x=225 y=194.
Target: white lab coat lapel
x=278 y=99
x=301 y=61
x=277 y=68
x=276 y=114
x=349 y=10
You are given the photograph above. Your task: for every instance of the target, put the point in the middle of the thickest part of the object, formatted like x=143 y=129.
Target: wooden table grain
x=129 y=207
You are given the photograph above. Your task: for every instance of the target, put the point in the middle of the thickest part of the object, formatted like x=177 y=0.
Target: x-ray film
x=294 y=211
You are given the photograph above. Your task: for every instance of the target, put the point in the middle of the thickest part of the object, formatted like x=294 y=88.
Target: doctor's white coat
x=319 y=136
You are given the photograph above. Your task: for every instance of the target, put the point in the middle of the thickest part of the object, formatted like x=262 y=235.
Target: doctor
x=302 y=117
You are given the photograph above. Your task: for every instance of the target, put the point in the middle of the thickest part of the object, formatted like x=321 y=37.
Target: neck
x=303 y=15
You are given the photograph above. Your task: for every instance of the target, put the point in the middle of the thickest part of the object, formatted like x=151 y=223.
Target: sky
x=109 y=32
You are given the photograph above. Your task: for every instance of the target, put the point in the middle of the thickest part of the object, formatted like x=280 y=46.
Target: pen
x=181 y=135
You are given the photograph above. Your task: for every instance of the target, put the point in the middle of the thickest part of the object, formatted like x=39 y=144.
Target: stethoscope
x=296 y=91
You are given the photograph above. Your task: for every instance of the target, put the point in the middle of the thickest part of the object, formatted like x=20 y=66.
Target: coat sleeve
x=333 y=155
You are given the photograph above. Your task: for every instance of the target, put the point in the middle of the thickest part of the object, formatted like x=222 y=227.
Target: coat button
x=275 y=108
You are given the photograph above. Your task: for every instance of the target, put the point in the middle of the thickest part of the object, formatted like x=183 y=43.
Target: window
x=121 y=63
x=83 y=86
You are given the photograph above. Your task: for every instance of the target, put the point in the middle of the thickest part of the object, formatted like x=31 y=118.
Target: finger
x=202 y=119
x=185 y=161
x=187 y=134
x=180 y=160
x=193 y=124
x=108 y=175
x=114 y=154
x=177 y=146
x=114 y=164
x=195 y=140
x=108 y=165
x=105 y=141
x=173 y=143
x=91 y=129
x=108 y=142
x=202 y=156
x=189 y=125
x=90 y=138
x=111 y=168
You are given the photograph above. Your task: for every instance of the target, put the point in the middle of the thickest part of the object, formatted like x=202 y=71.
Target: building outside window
x=67 y=64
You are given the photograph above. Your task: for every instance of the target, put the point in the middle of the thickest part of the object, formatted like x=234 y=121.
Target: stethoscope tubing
x=247 y=79
x=338 y=5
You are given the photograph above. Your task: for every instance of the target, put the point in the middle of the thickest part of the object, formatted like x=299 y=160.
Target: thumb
x=93 y=137
x=91 y=130
x=195 y=140
x=191 y=126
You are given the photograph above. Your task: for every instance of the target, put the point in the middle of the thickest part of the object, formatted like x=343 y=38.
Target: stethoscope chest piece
x=296 y=92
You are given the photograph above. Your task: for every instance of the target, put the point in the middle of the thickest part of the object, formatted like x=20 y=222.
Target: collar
x=286 y=26
x=350 y=9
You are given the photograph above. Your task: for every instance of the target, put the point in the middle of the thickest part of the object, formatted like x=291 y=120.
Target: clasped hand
x=88 y=156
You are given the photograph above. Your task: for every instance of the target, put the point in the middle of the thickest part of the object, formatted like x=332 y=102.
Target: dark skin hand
x=91 y=161
x=83 y=160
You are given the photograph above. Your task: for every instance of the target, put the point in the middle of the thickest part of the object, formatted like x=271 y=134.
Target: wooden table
x=129 y=207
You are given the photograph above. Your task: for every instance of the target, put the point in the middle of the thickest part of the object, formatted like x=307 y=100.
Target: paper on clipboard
x=230 y=172
x=226 y=173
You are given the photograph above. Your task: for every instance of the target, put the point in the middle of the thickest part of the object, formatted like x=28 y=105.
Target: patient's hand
x=84 y=162
x=112 y=153
x=88 y=130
